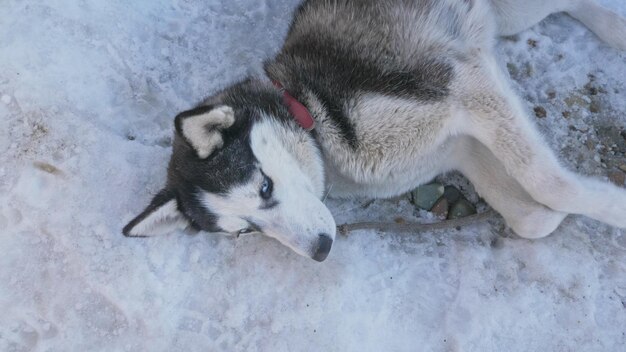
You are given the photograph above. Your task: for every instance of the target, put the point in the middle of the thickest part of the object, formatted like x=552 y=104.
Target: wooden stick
x=413 y=227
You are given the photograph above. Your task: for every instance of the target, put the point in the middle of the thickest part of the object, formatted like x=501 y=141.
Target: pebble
x=623 y=167
x=591 y=90
x=540 y=112
x=452 y=194
x=461 y=209
x=594 y=107
x=425 y=197
x=440 y=209
x=576 y=100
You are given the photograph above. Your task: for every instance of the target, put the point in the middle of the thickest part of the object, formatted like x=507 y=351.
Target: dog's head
x=240 y=164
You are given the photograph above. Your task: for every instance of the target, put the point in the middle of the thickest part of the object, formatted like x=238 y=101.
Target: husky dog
x=373 y=98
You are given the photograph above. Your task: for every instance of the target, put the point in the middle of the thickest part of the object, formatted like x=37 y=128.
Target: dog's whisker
x=327 y=192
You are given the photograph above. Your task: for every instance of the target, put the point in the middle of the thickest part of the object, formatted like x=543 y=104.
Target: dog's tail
x=606 y=24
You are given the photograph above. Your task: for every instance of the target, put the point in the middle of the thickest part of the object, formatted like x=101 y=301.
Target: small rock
x=591 y=89
x=566 y=114
x=540 y=112
x=440 y=209
x=617 y=177
x=532 y=43
x=595 y=107
x=551 y=94
x=609 y=135
x=425 y=197
x=583 y=129
x=399 y=220
x=461 y=209
x=452 y=194
x=623 y=167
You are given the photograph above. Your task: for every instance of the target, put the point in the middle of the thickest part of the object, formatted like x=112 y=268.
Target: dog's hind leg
x=496 y=117
x=527 y=217
x=514 y=16
x=606 y=24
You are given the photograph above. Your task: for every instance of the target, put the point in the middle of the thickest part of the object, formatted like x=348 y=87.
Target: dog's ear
x=160 y=217
x=202 y=127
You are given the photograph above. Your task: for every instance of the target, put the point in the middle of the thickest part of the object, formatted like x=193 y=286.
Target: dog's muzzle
x=323 y=247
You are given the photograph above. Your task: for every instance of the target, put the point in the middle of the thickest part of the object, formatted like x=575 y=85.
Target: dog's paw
x=539 y=223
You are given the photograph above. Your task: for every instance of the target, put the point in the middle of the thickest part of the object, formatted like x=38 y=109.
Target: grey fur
x=364 y=54
x=401 y=90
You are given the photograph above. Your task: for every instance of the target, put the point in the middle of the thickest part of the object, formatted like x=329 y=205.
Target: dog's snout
x=323 y=247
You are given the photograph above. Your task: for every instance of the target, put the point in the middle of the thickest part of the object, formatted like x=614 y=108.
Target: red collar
x=300 y=113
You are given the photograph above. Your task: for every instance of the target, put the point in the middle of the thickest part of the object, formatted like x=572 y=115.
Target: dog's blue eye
x=266 y=188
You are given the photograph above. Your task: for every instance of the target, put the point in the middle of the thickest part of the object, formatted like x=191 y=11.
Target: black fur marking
x=233 y=164
x=269 y=204
x=193 y=209
x=158 y=201
x=339 y=67
x=195 y=111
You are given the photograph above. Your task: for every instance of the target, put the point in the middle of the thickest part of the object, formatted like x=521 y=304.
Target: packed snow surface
x=88 y=91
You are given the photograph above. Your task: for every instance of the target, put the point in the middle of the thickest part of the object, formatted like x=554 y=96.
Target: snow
x=88 y=91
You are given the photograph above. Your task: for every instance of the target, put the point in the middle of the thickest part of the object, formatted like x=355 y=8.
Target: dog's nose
x=323 y=247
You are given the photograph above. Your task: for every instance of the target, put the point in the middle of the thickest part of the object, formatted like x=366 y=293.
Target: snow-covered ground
x=88 y=91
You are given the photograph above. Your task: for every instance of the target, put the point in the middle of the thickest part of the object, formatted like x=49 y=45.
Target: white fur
x=286 y=156
x=203 y=131
x=607 y=25
x=163 y=220
x=401 y=146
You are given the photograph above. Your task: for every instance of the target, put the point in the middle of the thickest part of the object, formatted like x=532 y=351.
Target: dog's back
x=393 y=32
x=338 y=52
